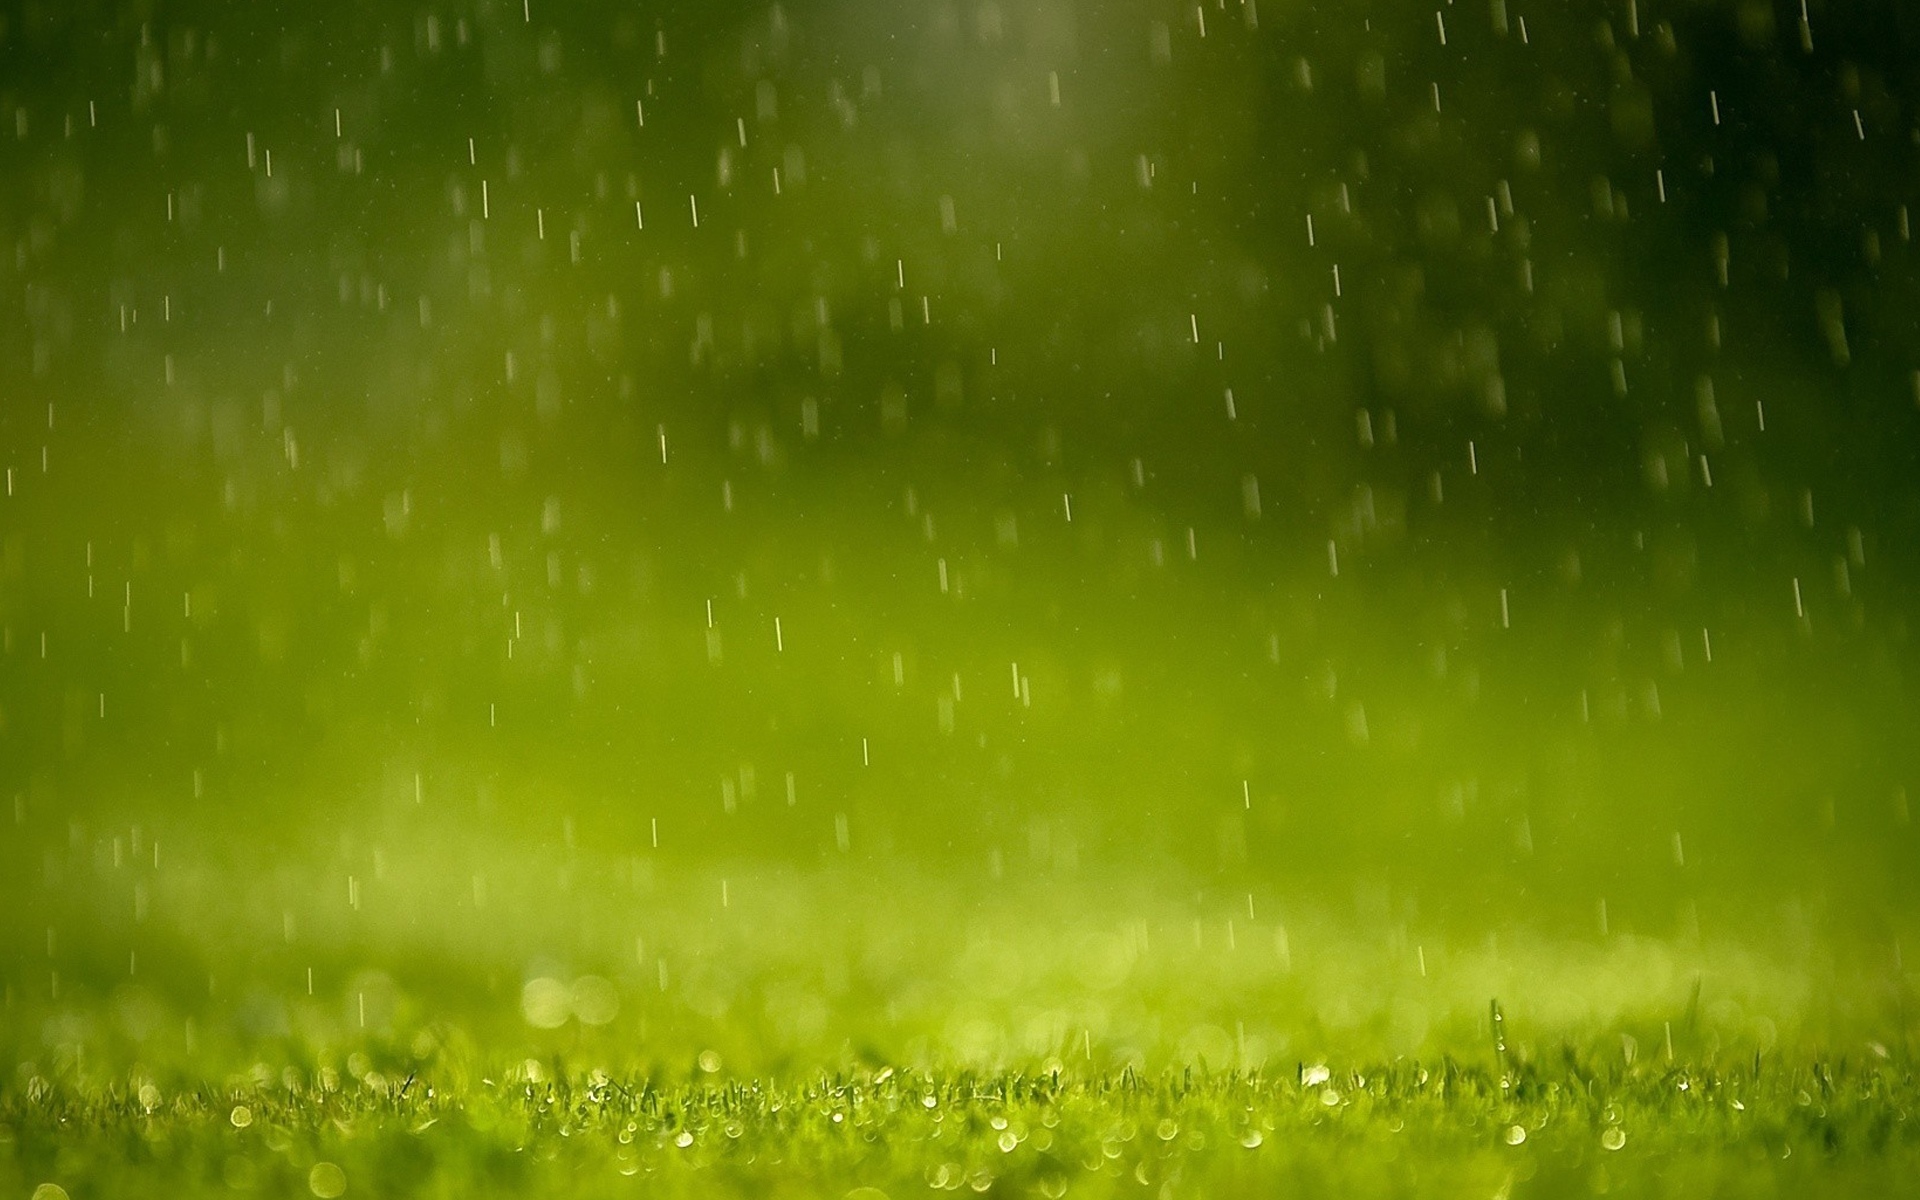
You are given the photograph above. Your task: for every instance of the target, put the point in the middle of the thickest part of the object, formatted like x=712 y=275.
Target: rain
x=1162 y=578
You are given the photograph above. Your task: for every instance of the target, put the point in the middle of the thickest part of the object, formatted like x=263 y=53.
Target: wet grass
x=597 y=1030
x=1575 y=1121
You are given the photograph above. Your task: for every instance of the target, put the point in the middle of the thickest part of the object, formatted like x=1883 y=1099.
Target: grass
x=1095 y=1048
x=596 y=1029
x=1579 y=1121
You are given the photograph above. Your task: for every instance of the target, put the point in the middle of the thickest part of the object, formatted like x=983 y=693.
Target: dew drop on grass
x=326 y=1180
x=1516 y=1134
x=241 y=1116
x=1614 y=1138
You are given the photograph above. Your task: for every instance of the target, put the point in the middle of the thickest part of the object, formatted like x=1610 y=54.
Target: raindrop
x=326 y=1180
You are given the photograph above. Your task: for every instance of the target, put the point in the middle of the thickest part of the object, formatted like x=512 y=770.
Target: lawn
x=1578 y=1122
x=803 y=1037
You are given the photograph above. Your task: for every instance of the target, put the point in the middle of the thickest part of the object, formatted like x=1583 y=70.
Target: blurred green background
x=967 y=531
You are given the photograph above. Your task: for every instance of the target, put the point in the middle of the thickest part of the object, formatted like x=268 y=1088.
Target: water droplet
x=326 y=1180
x=546 y=1003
